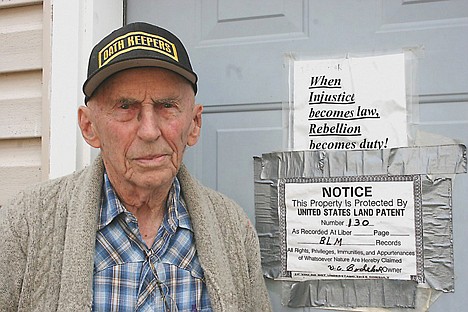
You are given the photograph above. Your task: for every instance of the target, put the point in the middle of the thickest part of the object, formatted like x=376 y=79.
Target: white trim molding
x=76 y=26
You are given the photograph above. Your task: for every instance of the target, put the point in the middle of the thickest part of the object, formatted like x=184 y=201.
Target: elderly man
x=134 y=231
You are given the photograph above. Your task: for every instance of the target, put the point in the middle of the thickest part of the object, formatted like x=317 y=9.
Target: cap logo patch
x=136 y=41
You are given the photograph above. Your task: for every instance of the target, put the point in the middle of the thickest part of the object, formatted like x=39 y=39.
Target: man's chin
x=154 y=177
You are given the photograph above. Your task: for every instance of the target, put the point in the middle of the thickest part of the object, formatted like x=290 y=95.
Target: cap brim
x=95 y=80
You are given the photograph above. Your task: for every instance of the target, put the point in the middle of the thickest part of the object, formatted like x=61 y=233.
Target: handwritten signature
x=353 y=268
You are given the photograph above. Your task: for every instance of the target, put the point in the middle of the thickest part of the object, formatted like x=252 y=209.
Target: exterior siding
x=21 y=95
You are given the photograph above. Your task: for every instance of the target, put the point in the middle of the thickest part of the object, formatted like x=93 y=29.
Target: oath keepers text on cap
x=133 y=41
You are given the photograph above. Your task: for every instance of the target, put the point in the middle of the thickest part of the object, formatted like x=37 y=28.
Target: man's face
x=142 y=119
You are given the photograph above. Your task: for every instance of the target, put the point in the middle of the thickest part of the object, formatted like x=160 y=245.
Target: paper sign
x=350 y=103
x=352 y=228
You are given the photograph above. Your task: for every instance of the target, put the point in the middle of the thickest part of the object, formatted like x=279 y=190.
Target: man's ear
x=196 y=125
x=87 y=127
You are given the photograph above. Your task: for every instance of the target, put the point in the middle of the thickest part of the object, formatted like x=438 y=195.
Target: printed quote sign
x=351 y=227
x=350 y=103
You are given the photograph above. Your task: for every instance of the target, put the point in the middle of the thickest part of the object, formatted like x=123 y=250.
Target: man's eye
x=125 y=104
x=168 y=105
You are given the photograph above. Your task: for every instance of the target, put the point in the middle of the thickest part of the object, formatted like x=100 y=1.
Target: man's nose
x=148 y=129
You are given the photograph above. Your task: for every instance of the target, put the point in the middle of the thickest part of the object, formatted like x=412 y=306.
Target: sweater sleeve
x=14 y=231
x=257 y=282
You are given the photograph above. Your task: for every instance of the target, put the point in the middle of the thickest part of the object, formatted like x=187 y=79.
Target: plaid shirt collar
x=127 y=269
x=176 y=216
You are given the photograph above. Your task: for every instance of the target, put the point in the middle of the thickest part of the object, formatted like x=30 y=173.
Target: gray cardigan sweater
x=47 y=238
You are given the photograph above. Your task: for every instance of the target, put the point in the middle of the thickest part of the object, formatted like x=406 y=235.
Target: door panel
x=239 y=50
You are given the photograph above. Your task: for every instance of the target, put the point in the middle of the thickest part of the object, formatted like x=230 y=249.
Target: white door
x=239 y=49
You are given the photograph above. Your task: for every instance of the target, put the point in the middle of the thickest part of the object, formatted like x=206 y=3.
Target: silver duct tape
x=436 y=209
x=443 y=159
x=350 y=293
x=437 y=233
x=267 y=222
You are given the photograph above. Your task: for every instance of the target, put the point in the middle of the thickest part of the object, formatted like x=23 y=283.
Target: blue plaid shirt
x=129 y=276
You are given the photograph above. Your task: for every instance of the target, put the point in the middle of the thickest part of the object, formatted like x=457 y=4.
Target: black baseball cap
x=137 y=45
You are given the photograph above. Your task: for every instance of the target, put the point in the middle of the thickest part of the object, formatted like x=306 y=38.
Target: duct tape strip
x=435 y=164
x=267 y=222
x=437 y=233
x=351 y=293
x=444 y=159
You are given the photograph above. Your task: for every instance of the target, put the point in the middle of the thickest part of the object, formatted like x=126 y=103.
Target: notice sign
x=350 y=103
x=354 y=227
